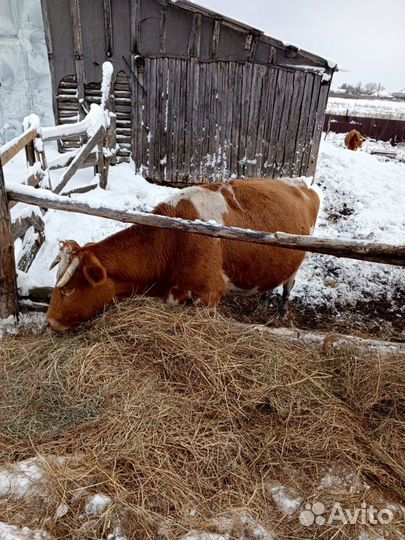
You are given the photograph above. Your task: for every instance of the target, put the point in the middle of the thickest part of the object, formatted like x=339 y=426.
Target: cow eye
x=67 y=291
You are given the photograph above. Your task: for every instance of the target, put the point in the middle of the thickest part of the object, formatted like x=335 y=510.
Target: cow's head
x=82 y=288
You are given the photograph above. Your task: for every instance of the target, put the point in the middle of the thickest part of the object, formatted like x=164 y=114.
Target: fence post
x=8 y=275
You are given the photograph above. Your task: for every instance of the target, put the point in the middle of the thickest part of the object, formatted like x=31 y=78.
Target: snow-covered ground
x=364 y=198
x=373 y=108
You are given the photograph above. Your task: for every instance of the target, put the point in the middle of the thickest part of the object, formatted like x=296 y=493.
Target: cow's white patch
x=171 y=300
x=210 y=205
x=300 y=181
x=237 y=291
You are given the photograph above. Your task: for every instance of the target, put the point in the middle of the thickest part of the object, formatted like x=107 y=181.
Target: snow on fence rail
x=11 y=148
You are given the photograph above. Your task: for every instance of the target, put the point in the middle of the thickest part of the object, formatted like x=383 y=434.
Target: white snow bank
x=33 y=321
x=285 y=499
x=97 y=504
x=26 y=478
x=10 y=532
x=368 y=108
x=364 y=198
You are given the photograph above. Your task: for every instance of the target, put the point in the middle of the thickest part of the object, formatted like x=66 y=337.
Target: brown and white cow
x=183 y=267
x=354 y=140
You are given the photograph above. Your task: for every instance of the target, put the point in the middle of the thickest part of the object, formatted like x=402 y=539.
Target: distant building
x=400 y=94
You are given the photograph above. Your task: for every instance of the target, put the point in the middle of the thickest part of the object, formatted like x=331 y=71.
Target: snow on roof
x=366 y=108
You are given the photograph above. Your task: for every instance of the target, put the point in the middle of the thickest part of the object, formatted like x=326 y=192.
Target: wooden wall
x=204 y=121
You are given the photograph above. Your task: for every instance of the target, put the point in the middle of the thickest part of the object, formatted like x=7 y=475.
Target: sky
x=365 y=37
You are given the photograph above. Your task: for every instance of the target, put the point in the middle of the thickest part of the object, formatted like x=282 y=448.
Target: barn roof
x=241 y=26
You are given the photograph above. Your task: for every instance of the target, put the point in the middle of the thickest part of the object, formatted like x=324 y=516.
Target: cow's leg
x=283 y=306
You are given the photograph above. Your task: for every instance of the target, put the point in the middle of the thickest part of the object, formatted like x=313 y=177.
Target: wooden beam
x=162 y=30
x=135 y=26
x=79 y=158
x=352 y=249
x=22 y=224
x=108 y=29
x=51 y=58
x=8 y=275
x=195 y=36
x=215 y=38
x=325 y=341
x=102 y=165
x=78 y=49
x=11 y=149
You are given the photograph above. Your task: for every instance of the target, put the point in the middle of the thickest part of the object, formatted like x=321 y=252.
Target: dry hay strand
x=181 y=417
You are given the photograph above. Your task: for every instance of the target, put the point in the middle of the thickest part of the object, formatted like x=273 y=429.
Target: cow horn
x=68 y=273
x=58 y=257
x=55 y=261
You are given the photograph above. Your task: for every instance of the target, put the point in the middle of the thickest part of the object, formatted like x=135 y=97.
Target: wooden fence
x=97 y=131
x=381 y=253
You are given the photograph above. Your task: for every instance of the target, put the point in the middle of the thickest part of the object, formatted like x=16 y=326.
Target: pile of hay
x=186 y=423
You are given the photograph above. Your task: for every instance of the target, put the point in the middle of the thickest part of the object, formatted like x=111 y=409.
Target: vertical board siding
x=206 y=121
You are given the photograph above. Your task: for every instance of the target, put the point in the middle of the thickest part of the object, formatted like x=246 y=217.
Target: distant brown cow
x=354 y=140
x=183 y=267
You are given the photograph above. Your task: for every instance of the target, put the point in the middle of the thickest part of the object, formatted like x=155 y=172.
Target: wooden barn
x=198 y=96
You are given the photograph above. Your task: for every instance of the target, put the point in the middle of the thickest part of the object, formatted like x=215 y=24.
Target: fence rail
x=11 y=149
x=353 y=249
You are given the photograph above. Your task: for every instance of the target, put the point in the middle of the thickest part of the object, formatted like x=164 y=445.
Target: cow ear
x=94 y=271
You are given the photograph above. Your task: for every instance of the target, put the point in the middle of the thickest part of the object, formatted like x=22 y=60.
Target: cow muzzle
x=58 y=326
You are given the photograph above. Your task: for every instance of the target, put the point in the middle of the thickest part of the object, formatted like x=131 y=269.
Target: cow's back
x=258 y=204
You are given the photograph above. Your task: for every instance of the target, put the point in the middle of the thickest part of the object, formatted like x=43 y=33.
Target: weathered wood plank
x=189 y=119
x=152 y=124
x=303 y=124
x=108 y=28
x=31 y=244
x=78 y=48
x=326 y=341
x=206 y=123
x=79 y=158
x=215 y=38
x=195 y=36
x=21 y=225
x=282 y=136
x=309 y=135
x=163 y=30
x=201 y=121
x=353 y=249
x=293 y=121
x=8 y=275
x=316 y=141
x=264 y=114
x=234 y=97
x=195 y=136
x=135 y=25
x=253 y=121
x=51 y=55
x=275 y=123
x=270 y=106
x=244 y=125
x=11 y=149
x=182 y=121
